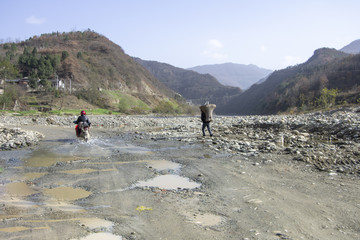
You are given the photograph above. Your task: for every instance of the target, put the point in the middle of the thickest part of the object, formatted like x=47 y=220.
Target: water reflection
x=169 y=182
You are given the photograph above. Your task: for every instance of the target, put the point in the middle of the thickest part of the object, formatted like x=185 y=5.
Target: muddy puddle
x=46 y=158
x=19 y=189
x=169 y=182
x=67 y=193
x=160 y=165
x=102 y=227
x=98 y=236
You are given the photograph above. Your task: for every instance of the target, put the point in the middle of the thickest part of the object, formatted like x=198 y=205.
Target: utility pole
x=4 y=71
x=57 y=82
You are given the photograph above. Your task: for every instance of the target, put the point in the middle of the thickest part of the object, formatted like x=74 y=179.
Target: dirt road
x=121 y=186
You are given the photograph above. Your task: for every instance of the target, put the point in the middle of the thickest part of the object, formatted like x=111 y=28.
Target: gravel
x=328 y=140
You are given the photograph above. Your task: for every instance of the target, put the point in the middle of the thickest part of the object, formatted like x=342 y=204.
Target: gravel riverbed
x=258 y=177
x=330 y=140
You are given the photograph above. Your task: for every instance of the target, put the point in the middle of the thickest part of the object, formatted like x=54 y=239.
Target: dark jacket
x=203 y=117
x=83 y=118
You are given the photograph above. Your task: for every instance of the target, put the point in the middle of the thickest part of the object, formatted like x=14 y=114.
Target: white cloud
x=214 y=43
x=263 y=48
x=214 y=50
x=35 y=20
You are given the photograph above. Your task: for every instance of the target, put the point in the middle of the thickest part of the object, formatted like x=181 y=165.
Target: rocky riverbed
x=330 y=140
x=13 y=138
x=148 y=177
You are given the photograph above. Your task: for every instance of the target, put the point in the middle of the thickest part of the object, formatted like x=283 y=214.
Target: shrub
x=166 y=106
x=327 y=97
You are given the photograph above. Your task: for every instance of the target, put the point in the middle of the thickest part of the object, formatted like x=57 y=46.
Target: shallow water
x=67 y=193
x=32 y=188
x=98 y=236
x=160 y=165
x=169 y=182
x=19 y=189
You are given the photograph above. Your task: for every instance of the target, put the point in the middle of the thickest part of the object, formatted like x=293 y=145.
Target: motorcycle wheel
x=87 y=137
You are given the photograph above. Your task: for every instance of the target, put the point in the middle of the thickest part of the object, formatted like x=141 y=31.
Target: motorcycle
x=82 y=131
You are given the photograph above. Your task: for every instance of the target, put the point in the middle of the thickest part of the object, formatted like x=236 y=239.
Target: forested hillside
x=328 y=78
x=85 y=61
x=199 y=88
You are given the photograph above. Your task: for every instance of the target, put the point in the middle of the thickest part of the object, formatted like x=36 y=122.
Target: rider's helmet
x=83 y=113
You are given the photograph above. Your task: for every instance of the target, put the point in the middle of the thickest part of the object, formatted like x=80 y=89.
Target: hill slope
x=89 y=60
x=301 y=86
x=193 y=86
x=352 y=48
x=236 y=75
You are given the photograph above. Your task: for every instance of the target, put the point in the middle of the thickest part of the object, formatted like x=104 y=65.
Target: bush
x=12 y=94
x=166 y=106
x=327 y=97
x=92 y=96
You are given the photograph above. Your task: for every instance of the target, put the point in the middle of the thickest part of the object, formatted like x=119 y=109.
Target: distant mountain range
x=232 y=74
x=302 y=86
x=197 y=88
x=352 y=48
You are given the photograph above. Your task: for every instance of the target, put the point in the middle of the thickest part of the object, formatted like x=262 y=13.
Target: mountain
x=87 y=59
x=232 y=74
x=305 y=86
x=199 y=88
x=352 y=48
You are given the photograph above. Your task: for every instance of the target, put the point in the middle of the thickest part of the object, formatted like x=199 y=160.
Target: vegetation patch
x=125 y=103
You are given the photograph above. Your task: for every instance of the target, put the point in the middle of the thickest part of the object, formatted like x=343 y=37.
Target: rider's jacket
x=83 y=118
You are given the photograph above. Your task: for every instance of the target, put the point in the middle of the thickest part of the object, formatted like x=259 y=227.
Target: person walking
x=205 y=124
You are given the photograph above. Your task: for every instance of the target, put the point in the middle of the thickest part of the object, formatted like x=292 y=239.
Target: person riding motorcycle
x=82 y=118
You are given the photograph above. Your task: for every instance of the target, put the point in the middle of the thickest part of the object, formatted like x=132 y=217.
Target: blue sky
x=271 y=34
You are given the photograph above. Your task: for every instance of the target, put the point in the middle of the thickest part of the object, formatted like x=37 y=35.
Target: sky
x=271 y=34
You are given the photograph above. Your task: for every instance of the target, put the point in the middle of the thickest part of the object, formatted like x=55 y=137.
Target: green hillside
x=328 y=79
x=87 y=63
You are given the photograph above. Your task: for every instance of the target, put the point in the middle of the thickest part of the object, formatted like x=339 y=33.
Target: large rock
x=12 y=138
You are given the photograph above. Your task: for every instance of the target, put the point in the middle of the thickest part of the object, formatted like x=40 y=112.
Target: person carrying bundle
x=206 y=117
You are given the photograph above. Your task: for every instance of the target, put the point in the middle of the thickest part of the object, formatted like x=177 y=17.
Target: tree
x=64 y=55
x=13 y=47
x=12 y=94
x=79 y=55
x=8 y=70
x=327 y=97
x=34 y=51
x=45 y=68
x=46 y=84
x=27 y=62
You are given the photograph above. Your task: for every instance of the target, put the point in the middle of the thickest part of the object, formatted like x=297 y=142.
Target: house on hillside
x=57 y=83
x=24 y=82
